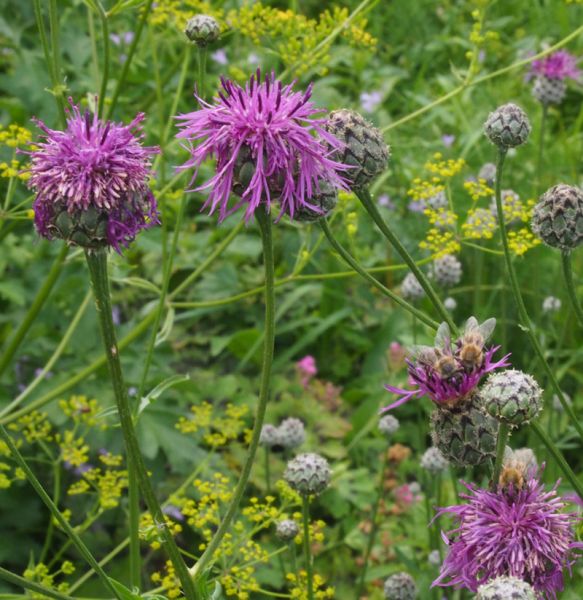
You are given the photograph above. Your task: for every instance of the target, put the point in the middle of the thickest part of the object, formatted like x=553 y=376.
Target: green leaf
x=160 y=389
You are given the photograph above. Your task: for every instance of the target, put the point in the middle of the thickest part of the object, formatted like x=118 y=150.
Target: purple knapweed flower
x=307 y=369
x=268 y=146
x=518 y=531
x=220 y=57
x=449 y=372
x=558 y=65
x=93 y=169
x=448 y=139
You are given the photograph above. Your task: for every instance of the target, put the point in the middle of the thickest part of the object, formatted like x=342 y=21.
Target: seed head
x=512 y=397
x=557 y=218
x=549 y=91
x=446 y=270
x=308 y=474
x=364 y=148
x=433 y=461
x=507 y=127
x=286 y=530
x=202 y=30
x=291 y=433
x=400 y=586
x=411 y=288
x=388 y=426
x=269 y=436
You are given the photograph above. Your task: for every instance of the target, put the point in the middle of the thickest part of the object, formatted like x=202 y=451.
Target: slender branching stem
x=571 y=291
x=208 y=557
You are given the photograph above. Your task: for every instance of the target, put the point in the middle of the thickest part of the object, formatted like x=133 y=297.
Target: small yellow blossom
x=73 y=450
x=33 y=427
x=478 y=189
x=445 y=168
x=440 y=243
x=81 y=410
x=480 y=224
x=521 y=241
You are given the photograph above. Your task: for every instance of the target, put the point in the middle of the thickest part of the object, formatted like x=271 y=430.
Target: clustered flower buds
x=308 y=474
x=364 y=147
x=558 y=217
x=507 y=127
x=202 y=30
x=512 y=397
x=286 y=530
x=506 y=588
x=400 y=586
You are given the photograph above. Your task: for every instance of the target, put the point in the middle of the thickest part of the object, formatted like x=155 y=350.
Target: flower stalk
x=572 y=293
x=97 y=264
x=306 y=544
x=206 y=560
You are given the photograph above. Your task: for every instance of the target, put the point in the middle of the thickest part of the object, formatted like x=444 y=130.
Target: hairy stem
x=373 y=280
x=105 y=71
x=526 y=323
x=307 y=549
x=206 y=560
x=369 y=205
x=97 y=263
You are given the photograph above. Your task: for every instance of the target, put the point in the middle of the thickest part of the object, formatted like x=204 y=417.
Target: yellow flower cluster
x=351 y=221
x=14 y=136
x=73 y=450
x=287 y=494
x=218 y=430
x=33 y=427
x=440 y=243
x=479 y=37
x=167 y=580
x=442 y=218
x=298 y=40
x=109 y=485
x=177 y=12
x=478 y=189
x=151 y=532
x=514 y=209
x=261 y=513
x=205 y=513
x=13 y=169
x=480 y=224
x=521 y=241
x=316 y=529
x=42 y=575
x=423 y=190
x=299 y=588
x=239 y=580
x=82 y=410
x=7 y=476
x=445 y=168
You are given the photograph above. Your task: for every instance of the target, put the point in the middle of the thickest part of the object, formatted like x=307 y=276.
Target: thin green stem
x=31 y=585
x=135 y=555
x=54 y=57
x=97 y=263
x=373 y=280
x=526 y=323
x=373 y=530
x=364 y=196
x=541 y=143
x=307 y=549
x=267 y=471
x=128 y=61
x=208 y=557
x=105 y=68
x=503 y=431
x=56 y=514
x=202 y=55
x=34 y=309
x=460 y=88
x=559 y=458
x=572 y=293
x=52 y=360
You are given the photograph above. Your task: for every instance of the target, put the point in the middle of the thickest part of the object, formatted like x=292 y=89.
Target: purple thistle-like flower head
x=268 y=146
x=558 y=65
x=513 y=531
x=449 y=372
x=93 y=173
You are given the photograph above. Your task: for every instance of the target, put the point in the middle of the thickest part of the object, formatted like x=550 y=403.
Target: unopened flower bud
x=433 y=461
x=286 y=530
x=325 y=200
x=291 y=433
x=506 y=588
x=388 y=425
x=549 y=91
x=364 y=147
x=308 y=474
x=400 y=586
x=558 y=217
x=507 y=127
x=202 y=30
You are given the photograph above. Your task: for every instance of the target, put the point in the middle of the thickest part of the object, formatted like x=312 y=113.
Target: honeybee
x=471 y=345
x=446 y=365
x=440 y=357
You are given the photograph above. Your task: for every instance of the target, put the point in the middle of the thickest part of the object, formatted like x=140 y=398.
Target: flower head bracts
x=448 y=373
x=94 y=166
x=520 y=532
x=558 y=65
x=272 y=128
